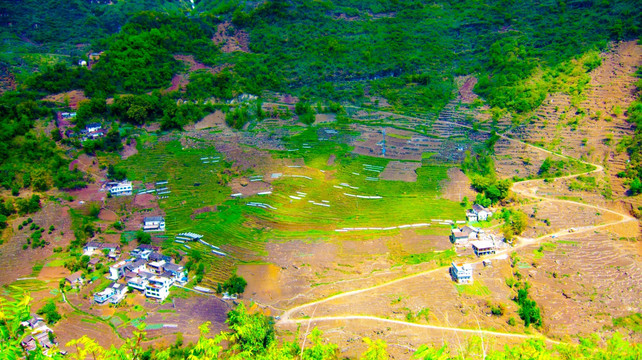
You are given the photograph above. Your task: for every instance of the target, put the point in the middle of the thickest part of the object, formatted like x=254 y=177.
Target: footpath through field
x=522 y=188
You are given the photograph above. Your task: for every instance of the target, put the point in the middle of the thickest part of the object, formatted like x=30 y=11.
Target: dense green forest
x=407 y=52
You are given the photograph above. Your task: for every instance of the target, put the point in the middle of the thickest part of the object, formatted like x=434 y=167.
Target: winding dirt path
x=524 y=188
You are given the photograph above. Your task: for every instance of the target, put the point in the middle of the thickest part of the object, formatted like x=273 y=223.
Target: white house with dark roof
x=154 y=223
x=478 y=213
x=463 y=235
x=483 y=247
x=93 y=127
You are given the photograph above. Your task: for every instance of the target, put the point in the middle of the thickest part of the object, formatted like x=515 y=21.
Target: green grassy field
x=241 y=230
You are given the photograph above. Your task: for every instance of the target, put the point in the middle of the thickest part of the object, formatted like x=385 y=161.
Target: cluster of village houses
x=481 y=242
x=146 y=269
x=90 y=132
x=40 y=334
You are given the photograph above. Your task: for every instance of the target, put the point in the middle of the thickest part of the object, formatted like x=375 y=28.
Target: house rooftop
x=173 y=267
x=483 y=244
x=462 y=266
x=153 y=218
x=75 y=276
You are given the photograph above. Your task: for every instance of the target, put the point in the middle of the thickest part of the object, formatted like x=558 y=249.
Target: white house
x=114 y=294
x=484 y=247
x=177 y=271
x=119 y=292
x=158 y=287
x=116 y=271
x=122 y=188
x=462 y=273
x=154 y=223
x=463 y=235
x=138 y=283
x=478 y=213
x=92 y=127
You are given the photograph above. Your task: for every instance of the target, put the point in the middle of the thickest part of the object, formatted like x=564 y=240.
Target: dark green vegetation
x=50 y=312
x=521 y=50
x=27 y=158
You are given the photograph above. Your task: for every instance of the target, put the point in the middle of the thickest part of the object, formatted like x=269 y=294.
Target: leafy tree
x=235 y=285
x=29 y=206
x=252 y=333
x=636 y=186
x=143 y=237
x=376 y=350
x=50 y=312
x=115 y=173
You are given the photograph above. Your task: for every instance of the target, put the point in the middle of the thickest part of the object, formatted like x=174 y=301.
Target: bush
x=143 y=237
x=50 y=313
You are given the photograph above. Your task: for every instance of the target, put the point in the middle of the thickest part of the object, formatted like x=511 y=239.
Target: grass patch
x=442 y=258
x=477 y=288
x=35 y=271
x=632 y=322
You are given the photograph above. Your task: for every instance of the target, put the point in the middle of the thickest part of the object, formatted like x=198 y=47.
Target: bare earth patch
x=74 y=97
x=457 y=186
x=400 y=171
x=238 y=40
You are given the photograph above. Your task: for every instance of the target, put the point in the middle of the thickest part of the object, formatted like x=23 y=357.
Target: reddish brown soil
x=238 y=41
x=400 y=171
x=108 y=215
x=74 y=96
x=16 y=262
x=129 y=150
x=213 y=120
x=249 y=188
x=466 y=90
x=584 y=282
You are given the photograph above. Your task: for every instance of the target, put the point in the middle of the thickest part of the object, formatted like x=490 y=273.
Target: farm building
x=75 y=280
x=116 y=271
x=461 y=273
x=478 y=213
x=463 y=235
x=177 y=271
x=158 y=287
x=154 y=223
x=93 y=127
x=114 y=294
x=94 y=246
x=484 y=247
x=121 y=188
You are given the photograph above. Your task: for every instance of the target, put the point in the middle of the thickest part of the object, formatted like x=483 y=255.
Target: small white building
x=483 y=247
x=121 y=189
x=116 y=271
x=462 y=273
x=138 y=283
x=463 y=235
x=114 y=294
x=158 y=287
x=154 y=223
x=478 y=213
x=93 y=127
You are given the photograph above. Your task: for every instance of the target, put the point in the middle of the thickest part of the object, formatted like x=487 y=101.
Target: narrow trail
x=415 y=325
x=523 y=188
